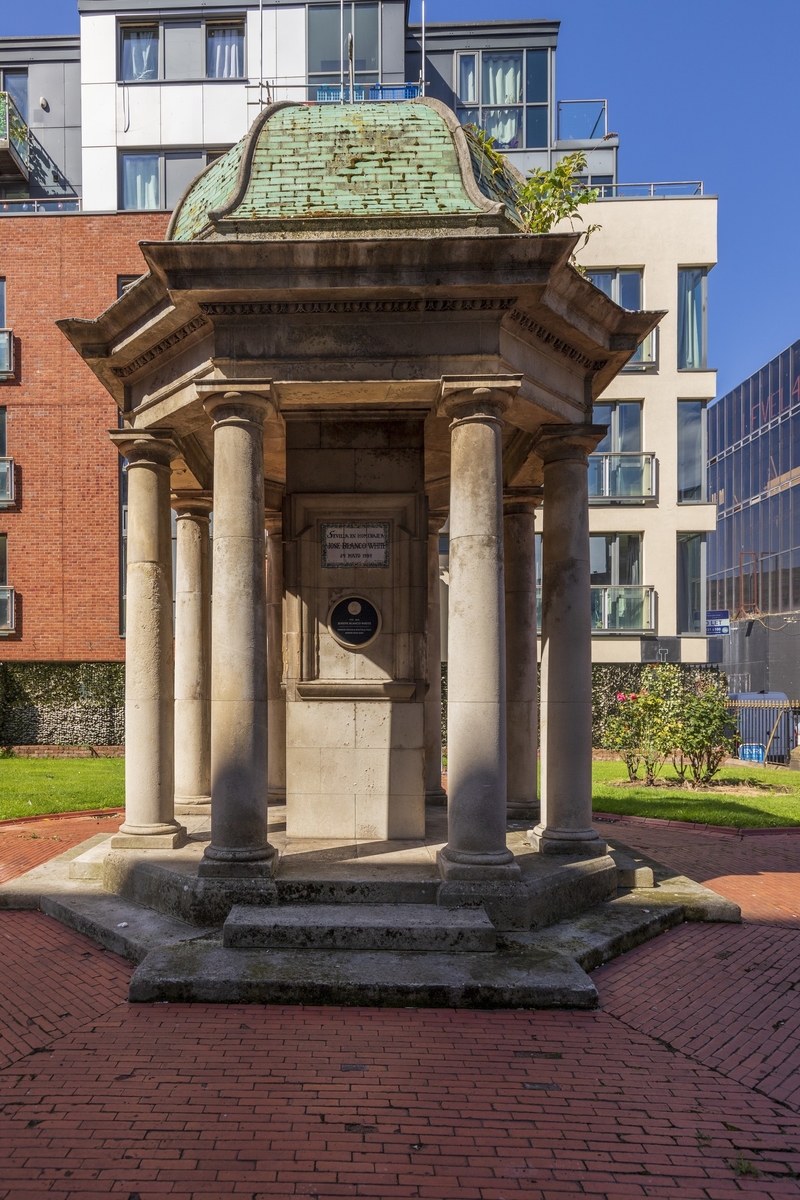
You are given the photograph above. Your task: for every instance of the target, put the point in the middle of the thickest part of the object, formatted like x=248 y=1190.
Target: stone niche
x=355 y=530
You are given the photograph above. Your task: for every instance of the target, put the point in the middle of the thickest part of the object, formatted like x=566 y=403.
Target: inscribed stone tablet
x=354 y=621
x=346 y=544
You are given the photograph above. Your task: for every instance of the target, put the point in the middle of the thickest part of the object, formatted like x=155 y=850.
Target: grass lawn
x=776 y=798
x=29 y=786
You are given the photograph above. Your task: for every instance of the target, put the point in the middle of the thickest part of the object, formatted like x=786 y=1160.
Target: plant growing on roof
x=547 y=197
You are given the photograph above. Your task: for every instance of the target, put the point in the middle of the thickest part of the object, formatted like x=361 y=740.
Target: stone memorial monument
x=347 y=337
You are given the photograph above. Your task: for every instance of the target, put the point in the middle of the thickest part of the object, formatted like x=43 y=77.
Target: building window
x=6 y=338
x=329 y=27
x=124 y=282
x=3 y=560
x=16 y=84
x=615 y=559
x=506 y=94
x=691 y=451
x=157 y=181
x=182 y=50
x=691 y=582
x=624 y=421
x=692 y=318
x=626 y=288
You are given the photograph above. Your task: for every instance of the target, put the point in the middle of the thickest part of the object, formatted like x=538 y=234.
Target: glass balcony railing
x=622 y=476
x=6 y=354
x=14 y=139
x=26 y=205
x=6 y=482
x=582 y=120
x=628 y=609
x=621 y=609
x=6 y=610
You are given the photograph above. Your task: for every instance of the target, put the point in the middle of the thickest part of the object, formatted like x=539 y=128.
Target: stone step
x=420 y=927
x=207 y=972
x=126 y=928
x=89 y=864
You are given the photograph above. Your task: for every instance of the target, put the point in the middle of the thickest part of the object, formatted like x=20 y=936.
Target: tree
x=547 y=197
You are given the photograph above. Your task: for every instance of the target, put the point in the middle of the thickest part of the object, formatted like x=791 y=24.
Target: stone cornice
x=279 y=308
x=556 y=343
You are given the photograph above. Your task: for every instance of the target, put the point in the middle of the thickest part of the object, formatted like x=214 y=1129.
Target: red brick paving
x=683 y=1078
x=31 y=843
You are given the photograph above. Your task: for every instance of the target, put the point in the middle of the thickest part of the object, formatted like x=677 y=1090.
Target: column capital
x=230 y=405
x=521 y=500
x=273 y=523
x=476 y=398
x=435 y=522
x=568 y=443
x=189 y=503
x=151 y=447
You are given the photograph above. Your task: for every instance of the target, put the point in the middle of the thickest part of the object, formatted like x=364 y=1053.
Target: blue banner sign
x=718 y=621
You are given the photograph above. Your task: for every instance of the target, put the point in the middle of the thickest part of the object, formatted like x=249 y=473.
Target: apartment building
x=100 y=135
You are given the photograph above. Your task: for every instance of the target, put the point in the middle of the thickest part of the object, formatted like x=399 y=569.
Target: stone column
x=276 y=695
x=149 y=792
x=476 y=709
x=519 y=553
x=192 y=654
x=434 y=792
x=239 y=844
x=565 y=826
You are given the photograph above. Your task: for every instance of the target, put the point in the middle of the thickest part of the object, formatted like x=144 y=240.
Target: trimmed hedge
x=62 y=704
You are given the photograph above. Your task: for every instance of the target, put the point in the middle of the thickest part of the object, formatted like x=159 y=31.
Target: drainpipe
x=422 y=64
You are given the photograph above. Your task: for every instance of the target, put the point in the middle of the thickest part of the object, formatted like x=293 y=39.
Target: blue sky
x=697 y=89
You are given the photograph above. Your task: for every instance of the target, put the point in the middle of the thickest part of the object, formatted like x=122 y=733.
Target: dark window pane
x=365 y=49
x=630 y=289
x=691 y=465
x=600 y=558
x=603 y=280
x=602 y=415
x=690 y=600
x=536 y=133
x=630 y=426
x=3 y=560
x=324 y=51
x=536 y=91
x=691 y=304
x=225 y=52
x=180 y=170
x=2 y=433
x=469 y=116
x=16 y=84
x=630 y=559
x=140 y=54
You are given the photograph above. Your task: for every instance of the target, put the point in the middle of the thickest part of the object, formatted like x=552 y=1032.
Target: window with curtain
x=505 y=126
x=140 y=181
x=490 y=84
x=691 y=318
x=502 y=78
x=225 y=51
x=691 y=451
x=140 y=54
x=467 y=79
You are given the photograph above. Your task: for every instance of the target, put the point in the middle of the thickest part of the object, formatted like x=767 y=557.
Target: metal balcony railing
x=6 y=610
x=623 y=609
x=617 y=609
x=330 y=93
x=622 y=476
x=6 y=354
x=6 y=482
x=14 y=140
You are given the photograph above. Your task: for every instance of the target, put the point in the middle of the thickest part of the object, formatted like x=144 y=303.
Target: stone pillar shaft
x=276 y=695
x=566 y=726
x=239 y=842
x=149 y=800
x=521 y=656
x=476 y=716
x=434 y=792
x=192 y=654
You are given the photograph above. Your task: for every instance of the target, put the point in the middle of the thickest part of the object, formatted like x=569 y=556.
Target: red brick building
x=62 y=532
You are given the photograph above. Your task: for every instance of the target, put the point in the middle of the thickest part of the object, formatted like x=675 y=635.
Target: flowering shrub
x=671 y=716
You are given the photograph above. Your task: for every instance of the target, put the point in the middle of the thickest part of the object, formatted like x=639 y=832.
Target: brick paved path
x=30 y=843
x=680 y=1087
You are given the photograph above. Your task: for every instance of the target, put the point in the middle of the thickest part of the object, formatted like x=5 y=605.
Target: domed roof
x=391 y=168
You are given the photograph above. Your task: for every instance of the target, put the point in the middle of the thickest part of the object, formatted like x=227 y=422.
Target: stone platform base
x=205 y=971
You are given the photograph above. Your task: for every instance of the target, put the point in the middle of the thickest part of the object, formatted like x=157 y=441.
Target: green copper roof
x=353 y=162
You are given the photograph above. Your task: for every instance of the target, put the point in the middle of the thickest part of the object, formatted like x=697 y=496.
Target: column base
x=436 y=797
x=276 y=795
x=585 y=843
x=192 y=806
x=149 y=837
x=522 y=810
x=213 y=867
x=455 y=864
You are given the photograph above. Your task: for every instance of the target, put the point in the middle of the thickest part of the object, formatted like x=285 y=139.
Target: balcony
x=14 y=141
x=6 y=482
x=6 y=354
x=629 y=609
x=582 y=120
x=332 y=94
x=650 y=191
x=627 y=477
x=6 y=610
x=26 y=206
